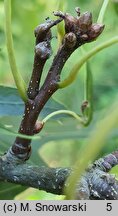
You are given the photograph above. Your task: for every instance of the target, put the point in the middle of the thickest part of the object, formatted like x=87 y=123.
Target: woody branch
x=78 y=31
x=96 y=182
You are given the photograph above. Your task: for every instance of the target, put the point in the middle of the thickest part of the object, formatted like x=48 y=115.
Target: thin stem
x=89 y=94
x=102 y=11
x=68 y=112
x=88 y=83
x=10 y=48
x=73 y=73
x=60 y=27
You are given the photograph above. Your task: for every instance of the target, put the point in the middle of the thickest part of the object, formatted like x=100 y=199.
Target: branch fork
x=78 y=31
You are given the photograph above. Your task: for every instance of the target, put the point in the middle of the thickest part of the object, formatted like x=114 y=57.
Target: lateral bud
x=95 y=31
x=38 y=127
x=43 y=50
x=43 y=31
x=81 y=26
x=70 y=40
x=84 y=106
x=85 y=22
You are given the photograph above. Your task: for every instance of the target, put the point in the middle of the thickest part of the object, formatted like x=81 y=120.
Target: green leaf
x=9 y=191
x=114 y=171
x=11 y=104
x=34 y=194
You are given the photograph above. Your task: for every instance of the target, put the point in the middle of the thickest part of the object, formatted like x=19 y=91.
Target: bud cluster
x=82 y=26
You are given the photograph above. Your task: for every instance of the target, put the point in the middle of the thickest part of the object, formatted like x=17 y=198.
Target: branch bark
x=95 y=183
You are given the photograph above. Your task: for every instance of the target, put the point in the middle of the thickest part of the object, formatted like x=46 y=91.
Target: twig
x=42 y=53
x=95 y=183
x=75 y=37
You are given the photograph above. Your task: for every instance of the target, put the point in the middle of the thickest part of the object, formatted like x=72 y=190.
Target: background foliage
x=60 y=141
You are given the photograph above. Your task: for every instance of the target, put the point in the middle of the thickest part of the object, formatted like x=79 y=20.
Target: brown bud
x=70 y=23
x=42 y=32
x=85 y=22
x=95 y=31
x=84 y=106
x=81 y=26
x=70 y=40
x=43 y=50
x=40 y=29
x=38 y=127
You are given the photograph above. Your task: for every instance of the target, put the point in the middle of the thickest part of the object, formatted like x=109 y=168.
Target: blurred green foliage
x=26 y=15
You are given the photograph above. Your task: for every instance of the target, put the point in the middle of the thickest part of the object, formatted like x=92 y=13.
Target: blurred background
x=62 y=145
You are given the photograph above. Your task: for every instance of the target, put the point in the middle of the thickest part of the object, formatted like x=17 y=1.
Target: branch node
x=43 y=50
x=21 y=152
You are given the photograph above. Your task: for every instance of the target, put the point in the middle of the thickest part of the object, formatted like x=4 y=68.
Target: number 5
x=109 y=207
